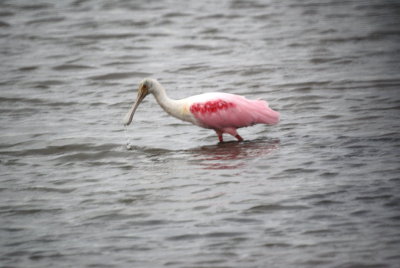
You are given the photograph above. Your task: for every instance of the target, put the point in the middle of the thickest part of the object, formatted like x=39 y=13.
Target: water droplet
x=128 y=146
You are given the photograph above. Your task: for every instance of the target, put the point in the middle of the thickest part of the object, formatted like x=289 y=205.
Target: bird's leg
x=232 y=131
x=238 y=137
x=219 y=133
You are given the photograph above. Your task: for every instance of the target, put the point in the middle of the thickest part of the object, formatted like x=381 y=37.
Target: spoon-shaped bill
x=129 y=116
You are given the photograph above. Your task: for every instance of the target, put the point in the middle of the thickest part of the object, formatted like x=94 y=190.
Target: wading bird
x=222 y=112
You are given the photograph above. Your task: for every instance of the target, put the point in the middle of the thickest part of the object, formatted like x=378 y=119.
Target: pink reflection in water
x=233 y=155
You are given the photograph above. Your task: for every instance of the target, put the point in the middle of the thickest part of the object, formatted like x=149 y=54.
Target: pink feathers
x=211 y=106
x=225 y=112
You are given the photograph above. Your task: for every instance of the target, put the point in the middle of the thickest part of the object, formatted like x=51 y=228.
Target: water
x=320 y=189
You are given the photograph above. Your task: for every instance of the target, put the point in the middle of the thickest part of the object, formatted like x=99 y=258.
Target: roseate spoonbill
x=222 y=112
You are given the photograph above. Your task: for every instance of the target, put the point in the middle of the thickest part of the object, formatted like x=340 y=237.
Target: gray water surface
x=320 y=189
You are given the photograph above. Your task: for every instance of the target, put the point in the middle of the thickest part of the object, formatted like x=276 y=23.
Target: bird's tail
x=265 y=114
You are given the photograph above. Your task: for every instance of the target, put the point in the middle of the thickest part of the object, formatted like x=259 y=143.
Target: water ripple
x=318 y=189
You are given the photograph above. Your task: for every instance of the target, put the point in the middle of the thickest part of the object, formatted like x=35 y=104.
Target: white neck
x=173 y=107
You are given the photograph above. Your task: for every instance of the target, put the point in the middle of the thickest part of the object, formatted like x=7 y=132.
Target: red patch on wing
x=210 y=106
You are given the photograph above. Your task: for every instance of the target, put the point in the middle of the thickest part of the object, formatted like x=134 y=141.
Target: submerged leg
x=233 y=132
x=219 y=133
x=238 y=137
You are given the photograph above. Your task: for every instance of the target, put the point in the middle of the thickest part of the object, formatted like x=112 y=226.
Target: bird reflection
x=233 y=155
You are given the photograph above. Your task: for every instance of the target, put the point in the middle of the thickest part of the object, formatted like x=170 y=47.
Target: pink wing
x=223 y=110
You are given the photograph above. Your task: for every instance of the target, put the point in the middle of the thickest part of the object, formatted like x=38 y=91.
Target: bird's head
x=146 y=86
